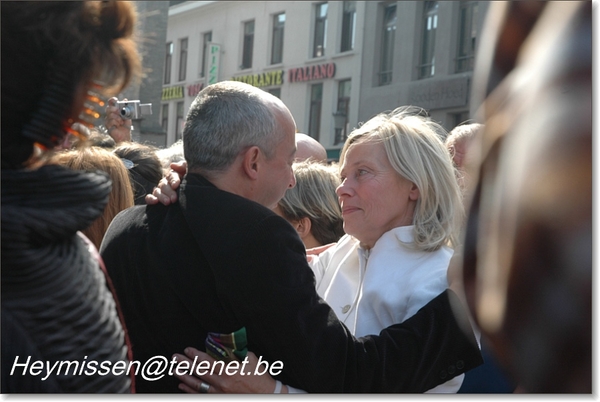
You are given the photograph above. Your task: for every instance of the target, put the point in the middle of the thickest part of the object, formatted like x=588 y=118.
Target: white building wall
x=226 y=21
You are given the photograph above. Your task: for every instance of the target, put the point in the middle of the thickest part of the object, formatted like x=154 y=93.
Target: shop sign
x=214 y=60
x=309 y=73
x=172 y=93
x=262 y=80
x=192 y=90
x=440 y=94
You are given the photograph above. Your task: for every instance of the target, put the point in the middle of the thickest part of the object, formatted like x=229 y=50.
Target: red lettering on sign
x=195 y=88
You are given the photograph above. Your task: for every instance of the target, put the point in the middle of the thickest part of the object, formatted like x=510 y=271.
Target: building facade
x=334 y=64
x=152 y=32
x=420 y=53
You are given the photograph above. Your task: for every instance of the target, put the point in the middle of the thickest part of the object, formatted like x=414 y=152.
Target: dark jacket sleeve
x=274 y=294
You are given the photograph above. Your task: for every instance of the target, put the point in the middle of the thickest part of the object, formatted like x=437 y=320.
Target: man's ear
x=250 y=162
x=303 y=227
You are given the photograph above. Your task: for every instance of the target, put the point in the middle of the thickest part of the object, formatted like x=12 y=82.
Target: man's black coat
x=216 y=262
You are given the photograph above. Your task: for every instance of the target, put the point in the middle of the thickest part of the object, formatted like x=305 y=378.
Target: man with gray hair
x=220 y=260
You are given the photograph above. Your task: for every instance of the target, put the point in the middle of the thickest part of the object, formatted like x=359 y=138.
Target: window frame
x=426 y=67
x=179 y=118
x=206 y=39
x=248 y=45
x=348 y=26
x=277 y=38
x=275 y=92
x=183 y=57
x=164 y=117
x=388 y=39
x=320 y=30
x=465 y=54
x=315 y=111
x=168 y=63
x=343 y=106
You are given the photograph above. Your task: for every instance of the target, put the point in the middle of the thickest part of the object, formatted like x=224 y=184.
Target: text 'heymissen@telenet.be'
x=153 y=369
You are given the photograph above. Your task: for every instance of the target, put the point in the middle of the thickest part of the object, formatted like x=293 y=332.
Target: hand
x=118 y=128
x=236 y=383
x=165 y=191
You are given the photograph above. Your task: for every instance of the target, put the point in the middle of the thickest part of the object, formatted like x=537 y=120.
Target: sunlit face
x=373 y=196
x=278 y=175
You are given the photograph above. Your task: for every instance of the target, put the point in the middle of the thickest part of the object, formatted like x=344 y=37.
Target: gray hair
x=314 y=197
x=414 y=146
x=463 y=132
x=225 y=119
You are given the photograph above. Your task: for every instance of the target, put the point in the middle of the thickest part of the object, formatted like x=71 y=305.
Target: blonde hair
x=92 y=159
x=314 y=197
x=413 y=144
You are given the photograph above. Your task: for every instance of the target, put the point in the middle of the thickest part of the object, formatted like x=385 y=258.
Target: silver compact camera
x=134 y=109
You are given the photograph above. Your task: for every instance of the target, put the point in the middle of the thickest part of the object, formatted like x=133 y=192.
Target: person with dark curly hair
x=58 y=307
x=143 y=165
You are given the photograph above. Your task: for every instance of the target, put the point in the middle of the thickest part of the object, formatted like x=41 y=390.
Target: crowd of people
x=367 y=274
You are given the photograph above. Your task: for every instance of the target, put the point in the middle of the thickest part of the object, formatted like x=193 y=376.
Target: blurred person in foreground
x=528 y=245
x=56 y=305
x=462 y=143
x=221 y=261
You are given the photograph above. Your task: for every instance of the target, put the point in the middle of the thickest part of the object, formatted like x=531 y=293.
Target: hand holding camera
x=119 y=116
x=134 y=109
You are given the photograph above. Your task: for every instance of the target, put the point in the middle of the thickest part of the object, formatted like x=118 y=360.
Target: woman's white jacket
x=372 y=289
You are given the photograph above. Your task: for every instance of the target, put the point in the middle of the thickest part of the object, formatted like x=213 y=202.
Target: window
x=459 y=118
x=164 y=118
x=277 y=46
x=275 y=92
x=168 y=60
x=248 y=44
x=430 y=17
x=348 y=26
x=179 y=128
x=467 y=36
x=183 y=44
x=320 y=30
x=206 y=39
x=316 y=98
x=386 y=62
x=343 y=108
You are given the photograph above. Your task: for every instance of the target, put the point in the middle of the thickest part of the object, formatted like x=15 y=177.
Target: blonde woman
x=311 y=206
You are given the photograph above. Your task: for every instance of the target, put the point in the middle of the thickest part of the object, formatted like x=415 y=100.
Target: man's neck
x=227 y=181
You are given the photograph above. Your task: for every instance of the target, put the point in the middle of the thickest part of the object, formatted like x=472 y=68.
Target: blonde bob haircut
x=314 y=197
x=415 y=148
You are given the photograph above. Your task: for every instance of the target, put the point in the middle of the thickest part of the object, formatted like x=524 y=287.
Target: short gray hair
x=224 y=119
x=463 y=132
x=414 y=146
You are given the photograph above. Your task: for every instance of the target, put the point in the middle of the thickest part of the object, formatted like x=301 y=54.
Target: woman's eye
x=361 y=172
